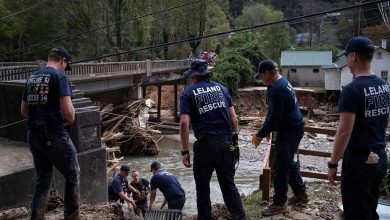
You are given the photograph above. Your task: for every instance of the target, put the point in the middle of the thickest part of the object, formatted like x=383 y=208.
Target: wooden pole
x=175 y=106
x=143 y=92
x=159 y=104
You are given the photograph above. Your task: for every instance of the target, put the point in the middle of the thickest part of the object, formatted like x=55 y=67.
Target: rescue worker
x=170 y=187
x=209 y=108
x=49 y=111
x=119 y=187
x=141 y=200
x=361 y=136
x=285 y=118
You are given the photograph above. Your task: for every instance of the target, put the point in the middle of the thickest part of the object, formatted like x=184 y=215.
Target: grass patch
x=252 y=205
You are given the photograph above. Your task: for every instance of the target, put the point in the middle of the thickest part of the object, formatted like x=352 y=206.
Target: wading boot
x=274 y=209
x=299 y=199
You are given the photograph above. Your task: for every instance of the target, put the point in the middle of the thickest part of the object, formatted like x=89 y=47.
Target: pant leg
x=177 y=203
x=360 y=187
x=286 y=170
x=44 y=175
x=64 y=157
x=203 y=169
x=295 y=179
x=225 y=174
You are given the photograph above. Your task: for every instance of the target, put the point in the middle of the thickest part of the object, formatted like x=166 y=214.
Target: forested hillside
x=91 y=28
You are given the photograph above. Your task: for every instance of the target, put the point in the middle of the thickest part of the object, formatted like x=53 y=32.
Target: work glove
x=256 y=140
x=268 y=138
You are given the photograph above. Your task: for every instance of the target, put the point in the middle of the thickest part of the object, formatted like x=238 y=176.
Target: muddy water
x=247 y=174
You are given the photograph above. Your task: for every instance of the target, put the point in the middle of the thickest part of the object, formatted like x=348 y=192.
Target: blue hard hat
x=198 y=67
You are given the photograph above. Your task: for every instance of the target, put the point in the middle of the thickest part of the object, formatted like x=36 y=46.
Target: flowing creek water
x=247 y=174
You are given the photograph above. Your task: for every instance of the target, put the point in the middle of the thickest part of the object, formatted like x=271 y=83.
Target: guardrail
x=21 y=70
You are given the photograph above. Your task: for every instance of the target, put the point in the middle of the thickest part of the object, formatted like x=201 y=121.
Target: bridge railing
x=106 y=69
x=158 y=64
x=8 y=73
x=21 y=70
x=16 y=64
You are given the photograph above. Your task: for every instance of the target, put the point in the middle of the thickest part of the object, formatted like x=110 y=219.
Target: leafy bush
x=233 y=71
x=228 y=78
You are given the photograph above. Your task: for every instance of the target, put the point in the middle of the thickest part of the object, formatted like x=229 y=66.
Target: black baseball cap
x=125 y=167
x=264 y=66
x=198 y=67
x=62 y=52
x=155 y=165
x=361 y=45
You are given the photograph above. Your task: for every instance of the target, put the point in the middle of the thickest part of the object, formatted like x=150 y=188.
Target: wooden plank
x=328 y=131
x=175 y=103
x=159 y=103
x=314 y=153
x=266 y=183
x=317 y=175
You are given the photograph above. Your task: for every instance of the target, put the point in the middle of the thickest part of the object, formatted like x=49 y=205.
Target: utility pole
x=360 y=15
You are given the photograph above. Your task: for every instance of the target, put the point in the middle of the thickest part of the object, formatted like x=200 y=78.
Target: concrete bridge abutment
x=17 y=180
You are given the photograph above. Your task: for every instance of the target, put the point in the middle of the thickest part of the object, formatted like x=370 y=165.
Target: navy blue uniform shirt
x=207 y=103
x=283 y=112
x=117 y=185
x=42 y=92
x=168 y=185
x=369 y=98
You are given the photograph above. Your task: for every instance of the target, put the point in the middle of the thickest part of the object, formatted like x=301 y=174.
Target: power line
x=154 y=20
x=101 y=27
x=222 y=33
x=233 y=31
x=23 y=10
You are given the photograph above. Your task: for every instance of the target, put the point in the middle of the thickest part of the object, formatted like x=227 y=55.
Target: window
x=384 y=75
x=316 y=70
x=293 y=70
x=379 y=55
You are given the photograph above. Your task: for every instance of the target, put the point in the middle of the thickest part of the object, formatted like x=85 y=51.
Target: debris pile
x=121 y=128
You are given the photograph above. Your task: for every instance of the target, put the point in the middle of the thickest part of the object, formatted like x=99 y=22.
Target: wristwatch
x=184 y=152
x=332 y=165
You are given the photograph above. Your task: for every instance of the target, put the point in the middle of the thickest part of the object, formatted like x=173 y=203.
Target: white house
x=339 y=74
x=305 y=68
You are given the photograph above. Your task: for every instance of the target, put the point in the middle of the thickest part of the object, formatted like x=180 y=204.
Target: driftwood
x=15 y=213
x=120 y=128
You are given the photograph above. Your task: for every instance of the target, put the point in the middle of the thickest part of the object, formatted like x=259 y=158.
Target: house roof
x=306 y=58
x=342 y=61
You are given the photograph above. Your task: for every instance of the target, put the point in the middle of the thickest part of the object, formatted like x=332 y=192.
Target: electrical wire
x=221 y=33
x=24 y=10
x=152 y=21
x=98 y=28
x=233 y=31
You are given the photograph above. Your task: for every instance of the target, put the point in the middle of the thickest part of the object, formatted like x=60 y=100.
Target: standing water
x=246 y=178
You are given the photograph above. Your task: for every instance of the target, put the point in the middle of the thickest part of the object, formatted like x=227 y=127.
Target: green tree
x=275 y=38
x=233 y=70
x=216 y=22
